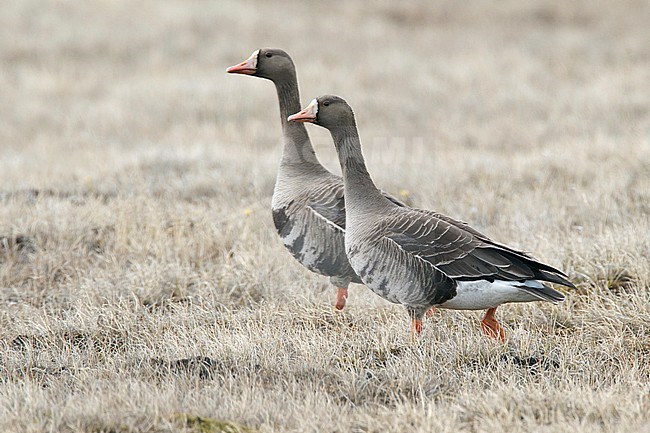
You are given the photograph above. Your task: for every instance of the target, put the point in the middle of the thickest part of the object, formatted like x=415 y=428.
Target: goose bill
x=308 y=114
x=247 y=67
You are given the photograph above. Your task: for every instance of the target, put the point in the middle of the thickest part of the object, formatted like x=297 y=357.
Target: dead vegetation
x=142 y=287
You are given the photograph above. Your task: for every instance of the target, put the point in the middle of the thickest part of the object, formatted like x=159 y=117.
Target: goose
x=420 y=258
x=308 y=201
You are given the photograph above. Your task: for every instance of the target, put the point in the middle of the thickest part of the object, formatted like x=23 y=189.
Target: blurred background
x=91 y=87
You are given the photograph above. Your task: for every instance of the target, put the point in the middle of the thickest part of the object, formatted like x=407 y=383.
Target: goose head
x=270 y=63
x=328 y=111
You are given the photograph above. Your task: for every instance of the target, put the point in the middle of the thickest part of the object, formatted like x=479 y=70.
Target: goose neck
x=358 y=183
x=297 y=147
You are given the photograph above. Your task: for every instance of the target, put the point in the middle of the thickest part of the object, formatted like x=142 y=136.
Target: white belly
x=481 y=295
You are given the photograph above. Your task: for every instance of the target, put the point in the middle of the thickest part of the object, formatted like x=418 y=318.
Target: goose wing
x=328 y=202
x=461 y=252
x=464 y=226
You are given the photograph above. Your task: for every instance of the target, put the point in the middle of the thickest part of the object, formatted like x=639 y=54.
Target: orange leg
x=416 y=327
x=431 y=311
x=491 y=327
x=341 y=298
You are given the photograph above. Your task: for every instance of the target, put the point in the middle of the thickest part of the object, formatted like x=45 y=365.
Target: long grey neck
x=359 y=187
x=297 y=148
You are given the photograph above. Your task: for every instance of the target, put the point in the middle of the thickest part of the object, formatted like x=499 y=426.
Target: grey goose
x=419 y=258
x=308 y=200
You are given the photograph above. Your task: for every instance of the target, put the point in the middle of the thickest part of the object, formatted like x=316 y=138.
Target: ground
x=142 y=286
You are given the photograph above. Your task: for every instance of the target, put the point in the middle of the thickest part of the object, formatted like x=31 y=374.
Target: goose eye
x=269 y=55
x=326 y=103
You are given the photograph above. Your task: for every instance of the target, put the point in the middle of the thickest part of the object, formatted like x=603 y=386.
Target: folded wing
x=464 y=254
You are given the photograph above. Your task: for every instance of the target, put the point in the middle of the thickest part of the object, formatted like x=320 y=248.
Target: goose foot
x=341 y=298
x=491 y=327
x=431 y=311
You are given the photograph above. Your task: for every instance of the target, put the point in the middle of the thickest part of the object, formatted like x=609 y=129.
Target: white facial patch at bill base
x=252 y=60
x=312 y=108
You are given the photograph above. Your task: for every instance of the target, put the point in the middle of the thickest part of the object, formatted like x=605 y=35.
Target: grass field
x=143 y=288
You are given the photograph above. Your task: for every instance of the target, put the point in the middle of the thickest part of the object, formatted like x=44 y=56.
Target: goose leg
x=491 y=327
x=341 y=297
x=416 y=314
x=416 y=327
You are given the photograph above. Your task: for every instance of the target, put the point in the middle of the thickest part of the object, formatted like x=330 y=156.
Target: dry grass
x=142 y=287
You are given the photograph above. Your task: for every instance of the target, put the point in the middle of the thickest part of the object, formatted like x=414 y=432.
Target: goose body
x=309 y=216
x=419 y=258
x=308 y=201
